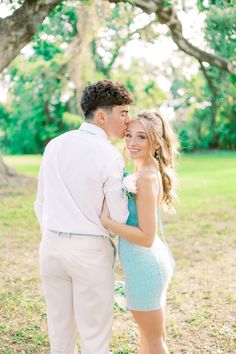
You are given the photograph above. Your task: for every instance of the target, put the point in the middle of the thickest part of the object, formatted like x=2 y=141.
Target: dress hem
x=147 y=310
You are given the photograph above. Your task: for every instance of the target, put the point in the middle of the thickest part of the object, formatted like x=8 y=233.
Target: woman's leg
x=143 y=344
x=152 y=329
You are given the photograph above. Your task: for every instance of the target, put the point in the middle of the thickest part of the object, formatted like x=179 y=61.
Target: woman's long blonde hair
x=161 y=134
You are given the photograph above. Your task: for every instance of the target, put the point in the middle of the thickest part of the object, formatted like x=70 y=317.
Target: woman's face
x=136 y=140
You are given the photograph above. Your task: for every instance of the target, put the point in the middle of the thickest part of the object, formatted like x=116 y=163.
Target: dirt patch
x=18 y=184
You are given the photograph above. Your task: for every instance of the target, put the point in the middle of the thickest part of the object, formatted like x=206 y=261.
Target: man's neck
x=97 y=125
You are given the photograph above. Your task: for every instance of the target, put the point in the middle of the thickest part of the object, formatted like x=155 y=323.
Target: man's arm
x=143 y=234
x=117 y=201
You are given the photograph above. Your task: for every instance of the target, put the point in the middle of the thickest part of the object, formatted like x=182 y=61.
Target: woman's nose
x=133 y=141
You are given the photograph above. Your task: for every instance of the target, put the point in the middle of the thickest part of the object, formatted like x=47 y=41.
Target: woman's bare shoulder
x=146 y=179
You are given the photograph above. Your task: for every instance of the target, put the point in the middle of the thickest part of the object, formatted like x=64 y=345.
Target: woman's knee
x=157 y=345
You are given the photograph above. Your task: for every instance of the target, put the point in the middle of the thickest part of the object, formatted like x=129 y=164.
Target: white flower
x=129 y=184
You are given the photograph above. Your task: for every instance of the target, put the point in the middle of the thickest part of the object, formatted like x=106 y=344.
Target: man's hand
x=105 y=215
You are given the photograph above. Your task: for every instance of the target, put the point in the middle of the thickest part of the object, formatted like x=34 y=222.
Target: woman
x=146 y=259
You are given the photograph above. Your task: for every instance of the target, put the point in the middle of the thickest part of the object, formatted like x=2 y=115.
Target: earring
x=156 y=155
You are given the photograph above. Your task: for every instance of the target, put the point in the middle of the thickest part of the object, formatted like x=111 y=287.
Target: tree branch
x=18 y=29
x=106 y=69
x=167 y=15
x=211 y=85
x=214 y=93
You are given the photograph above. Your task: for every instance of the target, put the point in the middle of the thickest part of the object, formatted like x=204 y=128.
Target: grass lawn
x=25 y=164
x=202 y=235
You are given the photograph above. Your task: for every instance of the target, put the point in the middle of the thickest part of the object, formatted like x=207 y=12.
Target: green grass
x=25 y=164
x=202 y=235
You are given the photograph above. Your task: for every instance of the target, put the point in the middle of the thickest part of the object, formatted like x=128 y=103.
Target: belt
x=70 y=234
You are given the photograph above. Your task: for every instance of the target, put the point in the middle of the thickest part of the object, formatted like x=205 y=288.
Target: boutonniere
x=129 y=185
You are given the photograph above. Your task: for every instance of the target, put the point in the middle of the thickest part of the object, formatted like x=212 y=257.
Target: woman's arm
x=146 y=201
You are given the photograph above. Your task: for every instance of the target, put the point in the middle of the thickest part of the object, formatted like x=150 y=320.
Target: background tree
x=167 y=14
x=51 y=76
x=18 y=29
x=82 y=41
x=212 y=123
x=39 y=93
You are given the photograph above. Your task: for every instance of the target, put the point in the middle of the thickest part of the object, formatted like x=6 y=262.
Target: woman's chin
x=133 y=156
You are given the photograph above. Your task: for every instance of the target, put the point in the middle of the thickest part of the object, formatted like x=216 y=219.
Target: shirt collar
x=92 y=129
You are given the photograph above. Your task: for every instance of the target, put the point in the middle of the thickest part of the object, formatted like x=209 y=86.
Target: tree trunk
x=15 y=32
x=5 y=172
x=78 y=52
x=18 y=29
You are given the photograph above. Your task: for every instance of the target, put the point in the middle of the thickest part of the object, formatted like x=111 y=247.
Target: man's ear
x=99 y=117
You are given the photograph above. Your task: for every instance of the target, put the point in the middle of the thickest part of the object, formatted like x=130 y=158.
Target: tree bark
x=18 y=29
x=167 y=15
x=214 y=93
x=5 y=172
x=15 y=32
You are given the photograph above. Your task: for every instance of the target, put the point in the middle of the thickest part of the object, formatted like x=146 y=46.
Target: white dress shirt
x=78 y=170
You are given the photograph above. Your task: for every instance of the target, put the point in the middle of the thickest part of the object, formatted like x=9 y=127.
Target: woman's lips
x=134 y=150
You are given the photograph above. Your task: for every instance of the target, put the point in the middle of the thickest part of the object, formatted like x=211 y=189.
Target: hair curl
x=104 y=94
x=161 y=134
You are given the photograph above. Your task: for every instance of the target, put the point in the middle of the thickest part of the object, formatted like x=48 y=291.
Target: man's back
x=79 y=169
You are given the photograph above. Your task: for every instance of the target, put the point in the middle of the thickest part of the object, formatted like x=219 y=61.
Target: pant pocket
x=115 y=252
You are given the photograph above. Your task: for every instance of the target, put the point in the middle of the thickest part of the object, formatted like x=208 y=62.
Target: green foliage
x=39 y=95
x=221 y=31
x=206 y=5
x=45 y=84
x=116 y=30
x=29 y=123
x=167 y=4
x=56 y=31
x=139 y=78
x=212 y=101
x=37 y=109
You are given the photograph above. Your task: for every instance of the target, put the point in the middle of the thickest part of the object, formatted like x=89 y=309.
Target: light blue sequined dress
x=147 y=270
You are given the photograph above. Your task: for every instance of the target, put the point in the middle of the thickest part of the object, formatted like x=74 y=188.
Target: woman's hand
x=105 y=215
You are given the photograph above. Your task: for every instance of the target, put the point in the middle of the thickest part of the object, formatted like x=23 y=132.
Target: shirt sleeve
x=116 y=199
x=38 y=204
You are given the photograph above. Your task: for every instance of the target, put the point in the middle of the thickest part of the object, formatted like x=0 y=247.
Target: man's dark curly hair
x=104 y=94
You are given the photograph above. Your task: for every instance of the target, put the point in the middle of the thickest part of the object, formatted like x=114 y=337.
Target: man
x=79 y=170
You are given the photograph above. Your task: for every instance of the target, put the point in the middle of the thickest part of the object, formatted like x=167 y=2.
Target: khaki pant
x=77 y=274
